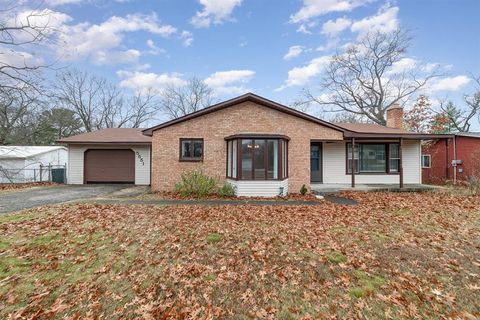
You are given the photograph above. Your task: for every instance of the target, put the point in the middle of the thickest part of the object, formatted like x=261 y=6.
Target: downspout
x=455 y=159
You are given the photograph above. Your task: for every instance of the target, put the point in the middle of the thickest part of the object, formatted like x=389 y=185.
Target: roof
x=110 y=135
x=468 y=134
x=376 y=131
x=24 y=152
x=243 y=98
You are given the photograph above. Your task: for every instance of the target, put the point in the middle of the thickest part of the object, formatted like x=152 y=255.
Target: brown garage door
x=109 y=166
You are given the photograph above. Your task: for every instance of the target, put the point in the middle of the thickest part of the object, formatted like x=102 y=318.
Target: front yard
x=393 y=256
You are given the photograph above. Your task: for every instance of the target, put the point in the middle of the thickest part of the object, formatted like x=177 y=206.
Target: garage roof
x=110 y=135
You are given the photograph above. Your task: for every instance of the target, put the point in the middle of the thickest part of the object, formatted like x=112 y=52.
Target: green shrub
x=227 y=190
x=196 y=183
x=303 y=190
x=214 y=238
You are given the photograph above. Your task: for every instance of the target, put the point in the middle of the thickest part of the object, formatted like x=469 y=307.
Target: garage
x=113 y=155
x=109 y=166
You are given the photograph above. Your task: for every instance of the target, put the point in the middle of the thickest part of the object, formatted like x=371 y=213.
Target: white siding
x=76 y=156
x=259 y=188
x=334 y=161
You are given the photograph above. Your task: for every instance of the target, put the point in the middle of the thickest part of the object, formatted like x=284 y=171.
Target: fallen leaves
x=394 y=255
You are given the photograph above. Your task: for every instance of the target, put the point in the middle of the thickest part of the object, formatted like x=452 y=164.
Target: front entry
x=316 y=162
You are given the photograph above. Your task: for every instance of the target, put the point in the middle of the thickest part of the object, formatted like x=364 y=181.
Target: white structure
x=19 y=164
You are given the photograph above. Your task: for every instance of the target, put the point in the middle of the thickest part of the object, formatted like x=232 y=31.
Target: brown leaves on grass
x=18 y=186
x=394 y=255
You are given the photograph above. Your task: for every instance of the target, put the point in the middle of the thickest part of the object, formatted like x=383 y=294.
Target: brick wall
x=246 y=117
x=468 y=150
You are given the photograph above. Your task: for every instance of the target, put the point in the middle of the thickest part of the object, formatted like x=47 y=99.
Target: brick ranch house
x=438 y=158
x=259 y=146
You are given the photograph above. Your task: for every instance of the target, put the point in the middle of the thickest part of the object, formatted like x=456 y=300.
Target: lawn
x=395 y=255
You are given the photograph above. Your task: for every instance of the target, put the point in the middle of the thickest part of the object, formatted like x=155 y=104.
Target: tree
x=55 y=124
x=441 y=124
x=99 y=104
x=179 y=100
x=461 y=118
x=370 y=76
x=419 y=117
x=19 y=31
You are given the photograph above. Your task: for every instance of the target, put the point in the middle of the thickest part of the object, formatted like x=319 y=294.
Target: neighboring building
x=259 y=146
x=438 y=158
x=19 y=164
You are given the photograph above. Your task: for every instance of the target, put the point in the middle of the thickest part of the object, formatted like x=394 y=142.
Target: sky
x=274 y=48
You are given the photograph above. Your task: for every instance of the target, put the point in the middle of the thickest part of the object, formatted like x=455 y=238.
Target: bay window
x=374 y=158
x=257 y=158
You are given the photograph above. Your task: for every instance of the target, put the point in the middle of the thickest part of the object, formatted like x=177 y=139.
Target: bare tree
x=179 y=100
x=100 y=104
x=20 y=69
x=366 y=78
x=462 y=118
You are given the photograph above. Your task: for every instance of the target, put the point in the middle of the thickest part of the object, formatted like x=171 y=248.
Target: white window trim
x=429 y=161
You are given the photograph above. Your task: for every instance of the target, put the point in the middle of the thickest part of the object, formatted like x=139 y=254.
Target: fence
x=49 y=173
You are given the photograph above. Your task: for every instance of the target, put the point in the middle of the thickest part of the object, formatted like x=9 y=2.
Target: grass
x=394 y=255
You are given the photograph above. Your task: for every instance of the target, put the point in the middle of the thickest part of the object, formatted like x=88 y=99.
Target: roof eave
x=412 y=136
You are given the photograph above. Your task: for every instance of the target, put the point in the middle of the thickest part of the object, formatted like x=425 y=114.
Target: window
x=191 y=149
x=426 y=161
x=258 y=159
x=374 y=158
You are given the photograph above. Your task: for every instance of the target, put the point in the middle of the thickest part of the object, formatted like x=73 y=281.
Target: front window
x=374 y=158
x=191 y=149
x=257 y=158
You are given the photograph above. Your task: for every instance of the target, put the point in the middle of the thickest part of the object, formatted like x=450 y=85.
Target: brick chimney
x=395 y=116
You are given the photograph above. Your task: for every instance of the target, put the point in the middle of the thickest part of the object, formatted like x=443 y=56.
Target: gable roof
x=110 y=135
x=24 y=152
x=370 y=128
x=251 y=97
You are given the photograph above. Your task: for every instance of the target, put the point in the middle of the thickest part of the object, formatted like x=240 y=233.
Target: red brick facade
x=246 y=117
x=442 y=154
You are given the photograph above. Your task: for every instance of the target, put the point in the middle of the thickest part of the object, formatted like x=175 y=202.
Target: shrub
x=303 y=190
x=214 y=238
x=227 y=190
x=196 y=183
x=474 y=185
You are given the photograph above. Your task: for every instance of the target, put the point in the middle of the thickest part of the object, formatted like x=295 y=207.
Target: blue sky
x=243 y=45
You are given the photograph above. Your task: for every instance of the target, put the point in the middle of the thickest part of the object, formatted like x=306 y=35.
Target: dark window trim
x=387 y=156
x=191 y=158
x=280 y=174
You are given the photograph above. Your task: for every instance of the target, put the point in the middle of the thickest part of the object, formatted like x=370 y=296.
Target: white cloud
x=85 y=40
x=55 y=3
x=154 y=49
x=141 y=81
x=229 y=82
x=403 y=65
x=293 y=51
x=299 y=76
x=214 y=11
x=334 y=28
x=448 y=84
x=385 y=20
x=315 y=8
x=112 y=57
x=187 y=38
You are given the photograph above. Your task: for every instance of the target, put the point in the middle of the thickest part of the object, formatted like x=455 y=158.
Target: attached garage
x=116 y=155
x=109 y=166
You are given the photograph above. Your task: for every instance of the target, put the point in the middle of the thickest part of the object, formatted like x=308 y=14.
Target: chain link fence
x=49 y=173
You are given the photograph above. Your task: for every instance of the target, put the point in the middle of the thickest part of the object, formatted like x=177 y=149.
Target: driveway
x=29 y=198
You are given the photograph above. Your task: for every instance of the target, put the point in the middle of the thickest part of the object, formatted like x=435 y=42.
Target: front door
x=316 y=162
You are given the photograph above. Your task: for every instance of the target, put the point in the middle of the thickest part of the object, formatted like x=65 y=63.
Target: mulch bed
x=177 y=196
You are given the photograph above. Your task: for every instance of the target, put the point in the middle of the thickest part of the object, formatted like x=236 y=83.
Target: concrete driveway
x=23 y=199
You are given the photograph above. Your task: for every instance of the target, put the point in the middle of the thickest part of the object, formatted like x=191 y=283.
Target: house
x=438 y=158
x=259 y=146
x=19 y=164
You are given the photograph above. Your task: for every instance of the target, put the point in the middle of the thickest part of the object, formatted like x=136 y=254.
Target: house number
x=140 y=158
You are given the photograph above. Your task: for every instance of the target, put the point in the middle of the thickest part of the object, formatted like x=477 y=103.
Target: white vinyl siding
x=76 y=156
x=259 y=188
x=334 y=161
